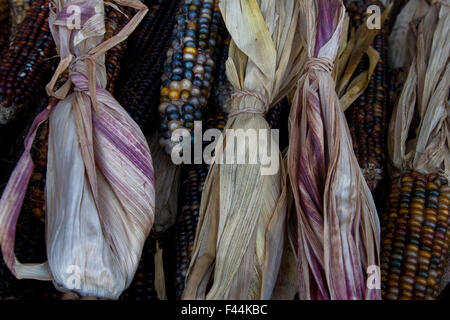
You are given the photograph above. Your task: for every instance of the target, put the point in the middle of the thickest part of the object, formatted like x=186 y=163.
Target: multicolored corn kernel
x=415 y=237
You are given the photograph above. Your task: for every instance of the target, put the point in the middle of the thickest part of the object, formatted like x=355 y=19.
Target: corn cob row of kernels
x=415 y=236
x=367 y=116
x=193 y=178
x=143 y=286
x=138 y=89
x=214 y=114
x=24 y=67
x=141 y=40
x=114 y=22
x=189 y=68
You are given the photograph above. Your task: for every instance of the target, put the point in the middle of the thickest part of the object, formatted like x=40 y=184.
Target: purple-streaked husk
x=338 y=228
x=100 y=193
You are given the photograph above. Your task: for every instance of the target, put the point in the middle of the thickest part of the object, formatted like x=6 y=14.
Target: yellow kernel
x=174 y=95
x=164 y=91
x=190 y=50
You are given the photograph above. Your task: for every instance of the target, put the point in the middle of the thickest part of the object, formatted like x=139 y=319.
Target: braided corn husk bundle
x=419 y=151
x=240 y=235
x=338 y=228
x=100 y=185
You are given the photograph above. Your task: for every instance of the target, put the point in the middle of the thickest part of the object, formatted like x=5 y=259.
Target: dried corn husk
x=100 y=185
x=352 y=49
x=166 y=186
x=338 y=228
x=413 y=9
x=424 y=100
x=239 y=239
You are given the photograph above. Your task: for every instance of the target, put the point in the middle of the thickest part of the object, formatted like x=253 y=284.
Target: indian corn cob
x=142 y=287
x=367 y=117
x=114 y=22
x=416 y=236
x=193 y=176
x=189 y=68
x=140 y=41
x=24 y=67
x=139 y=84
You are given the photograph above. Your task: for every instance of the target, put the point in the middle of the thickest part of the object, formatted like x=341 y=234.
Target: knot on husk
x=249 y=93
x=319 y=64
x=82 y=58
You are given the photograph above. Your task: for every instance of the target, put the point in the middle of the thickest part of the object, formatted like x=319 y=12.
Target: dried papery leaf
x=425 y=96
x=166 y=186
x=345 y=49
x=338 y=228
x=359 y=84
x=398 y=37
x=364 y=38
x=160 y=285
x=350 y=57
x=286 y=286
x=100 y=185
x=240 y=234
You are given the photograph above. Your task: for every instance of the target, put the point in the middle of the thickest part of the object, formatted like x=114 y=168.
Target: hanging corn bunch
x=240 y=233
x=416 y=233
x=338 y=230
x=102 y=226
x=24 y=66
x=36 y=195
